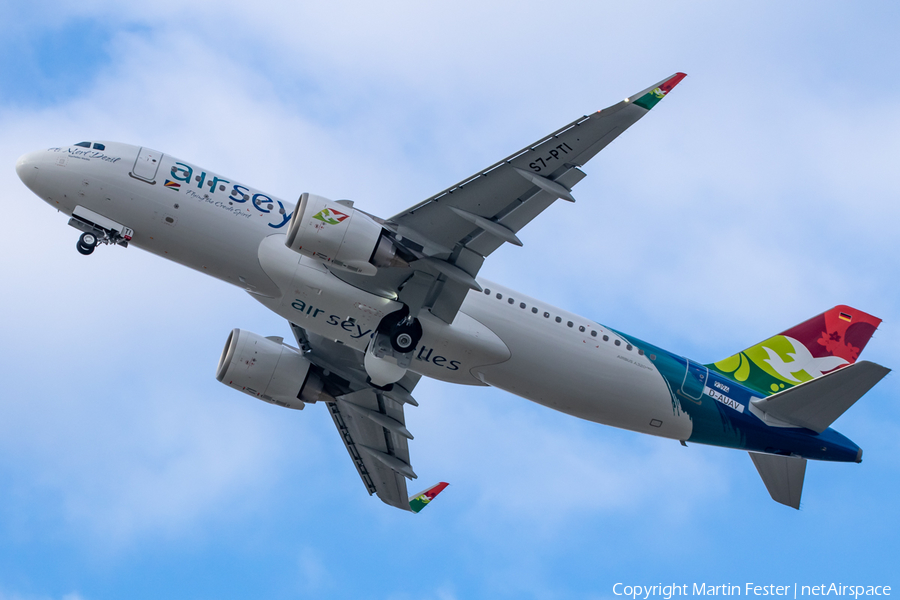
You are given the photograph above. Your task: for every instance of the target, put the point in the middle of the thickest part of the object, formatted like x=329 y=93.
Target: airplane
x=375 y=304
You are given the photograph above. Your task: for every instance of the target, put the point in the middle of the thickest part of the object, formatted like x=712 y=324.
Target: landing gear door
x=146 y=165
x=695 y=377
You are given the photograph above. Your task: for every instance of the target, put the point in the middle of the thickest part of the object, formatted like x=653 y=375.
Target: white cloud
x=314 y=573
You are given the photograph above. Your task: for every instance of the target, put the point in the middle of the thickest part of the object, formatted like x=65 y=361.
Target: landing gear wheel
x=86 y=243
x=405 y=336
x=403 y=332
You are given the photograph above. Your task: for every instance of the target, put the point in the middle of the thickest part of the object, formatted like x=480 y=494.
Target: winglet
x=648 y=98
x=419 y=501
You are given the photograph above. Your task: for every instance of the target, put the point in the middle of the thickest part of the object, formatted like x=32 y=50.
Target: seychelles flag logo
x=329 y=216
x=173 y=185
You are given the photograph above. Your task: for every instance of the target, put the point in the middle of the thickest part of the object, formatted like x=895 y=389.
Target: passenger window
x=605 y=338
x=559 y=319
x=100 y=147
x=594 y=334
x=652 y=357
x=487 y=292
x=511 y=301
x=499 y=296
x=617 y=343
x=546 y=315
x=641 y=352
x=628 y=347
x=534 y=309
x=581 y=328
x=570 y=323
x=521 y=305
x=83 y=144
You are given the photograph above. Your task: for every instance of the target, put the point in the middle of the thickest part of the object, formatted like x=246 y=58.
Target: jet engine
x=268 y=369
x=340 y=235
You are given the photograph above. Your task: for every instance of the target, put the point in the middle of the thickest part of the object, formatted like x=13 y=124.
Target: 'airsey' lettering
x=239 y=193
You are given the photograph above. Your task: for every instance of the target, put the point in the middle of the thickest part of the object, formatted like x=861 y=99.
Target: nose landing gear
x=97 y=230
x=86 y=243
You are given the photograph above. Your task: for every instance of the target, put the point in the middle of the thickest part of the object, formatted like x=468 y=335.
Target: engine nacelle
x=340 y=235
x=268 y=370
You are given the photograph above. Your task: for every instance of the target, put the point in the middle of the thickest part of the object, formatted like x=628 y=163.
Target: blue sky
x=762 y=191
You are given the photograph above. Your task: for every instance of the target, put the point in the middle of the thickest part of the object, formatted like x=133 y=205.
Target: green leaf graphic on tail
x=802 y=353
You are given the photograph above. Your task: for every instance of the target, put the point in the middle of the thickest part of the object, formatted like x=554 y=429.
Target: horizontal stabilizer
x=419 y=501
x=818 y=403
x=783 y=476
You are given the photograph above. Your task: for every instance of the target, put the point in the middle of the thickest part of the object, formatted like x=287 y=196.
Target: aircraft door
x=695 y=377
x=147 y=164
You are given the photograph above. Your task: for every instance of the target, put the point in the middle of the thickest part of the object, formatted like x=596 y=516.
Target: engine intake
x=269 y=370
x=340 y=235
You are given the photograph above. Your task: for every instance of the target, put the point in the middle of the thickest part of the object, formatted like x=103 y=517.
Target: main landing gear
x=403 y=331
x=86 y=243
x=391 y=350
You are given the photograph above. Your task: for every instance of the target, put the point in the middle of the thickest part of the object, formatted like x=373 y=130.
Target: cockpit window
x=97 y=146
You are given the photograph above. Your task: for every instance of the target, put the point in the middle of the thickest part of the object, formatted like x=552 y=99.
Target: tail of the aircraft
x=802 y=353
x=807 y=376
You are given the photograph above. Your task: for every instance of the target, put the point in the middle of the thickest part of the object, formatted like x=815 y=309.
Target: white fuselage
x=235 y=233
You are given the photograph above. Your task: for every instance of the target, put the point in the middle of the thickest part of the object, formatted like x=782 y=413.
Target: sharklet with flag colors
x=651 y=98
x=419 y=501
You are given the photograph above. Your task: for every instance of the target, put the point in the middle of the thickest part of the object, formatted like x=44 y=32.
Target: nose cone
x=27 y=169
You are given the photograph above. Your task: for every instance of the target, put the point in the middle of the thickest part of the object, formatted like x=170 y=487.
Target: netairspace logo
x=667 y=592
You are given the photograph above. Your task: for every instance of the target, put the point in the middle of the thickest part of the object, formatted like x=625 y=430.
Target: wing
x=370 y=421
x=451 y=233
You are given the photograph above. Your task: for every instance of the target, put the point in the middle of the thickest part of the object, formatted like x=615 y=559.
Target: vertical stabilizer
x=802 y=353
x=783 y=476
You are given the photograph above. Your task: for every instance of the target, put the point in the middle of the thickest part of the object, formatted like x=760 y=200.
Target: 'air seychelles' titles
x=239 y=193
x=356 y=332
